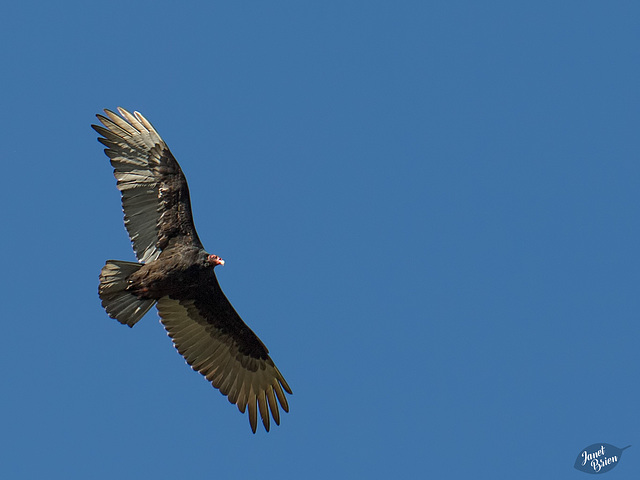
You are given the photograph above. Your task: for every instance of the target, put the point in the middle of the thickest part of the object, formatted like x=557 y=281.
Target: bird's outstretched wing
x=213 y=339
x=155 y=195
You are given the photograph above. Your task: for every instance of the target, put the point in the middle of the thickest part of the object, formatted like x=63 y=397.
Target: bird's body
x=177 y=274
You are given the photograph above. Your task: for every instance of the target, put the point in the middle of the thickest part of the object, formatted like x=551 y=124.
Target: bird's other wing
x=215 y=341
x=155 y=195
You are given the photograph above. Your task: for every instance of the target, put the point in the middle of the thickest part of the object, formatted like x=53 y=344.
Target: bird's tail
x=120 y=304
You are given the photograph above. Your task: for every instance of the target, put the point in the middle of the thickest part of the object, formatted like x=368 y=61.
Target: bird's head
x=215 y=260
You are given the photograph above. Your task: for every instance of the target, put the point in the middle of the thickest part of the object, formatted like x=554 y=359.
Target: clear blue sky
x=429 y=212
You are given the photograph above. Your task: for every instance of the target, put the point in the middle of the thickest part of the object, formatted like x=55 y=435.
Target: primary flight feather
x=177 y=275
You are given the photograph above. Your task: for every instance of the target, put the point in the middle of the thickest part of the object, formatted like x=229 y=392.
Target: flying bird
x=175 y=273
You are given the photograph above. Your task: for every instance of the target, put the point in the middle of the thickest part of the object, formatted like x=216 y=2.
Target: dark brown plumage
x=177 y=274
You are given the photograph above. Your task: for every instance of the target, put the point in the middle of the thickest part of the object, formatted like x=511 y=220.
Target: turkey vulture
x=176 y=274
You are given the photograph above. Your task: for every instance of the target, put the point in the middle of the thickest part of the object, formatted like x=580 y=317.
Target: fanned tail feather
x=116 y=300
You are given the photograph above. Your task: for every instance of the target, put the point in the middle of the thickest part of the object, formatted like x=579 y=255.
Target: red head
x=215 y=260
